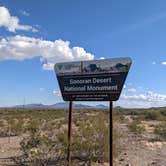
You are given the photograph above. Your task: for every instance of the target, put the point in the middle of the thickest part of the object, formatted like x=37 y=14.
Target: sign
x=97 y=80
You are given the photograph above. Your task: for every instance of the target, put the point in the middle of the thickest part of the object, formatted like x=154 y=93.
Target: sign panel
x=97 y=80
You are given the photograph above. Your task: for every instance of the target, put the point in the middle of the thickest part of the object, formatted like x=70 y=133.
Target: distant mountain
x=30 y=106
x=79 y=106
x=101 y=106
x=82 y=106
x=118 y=107
x=61 y=105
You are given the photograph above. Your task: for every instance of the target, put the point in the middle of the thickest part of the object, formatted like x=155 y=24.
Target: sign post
x=111 y=149
x=69 y=132
x=97 y=80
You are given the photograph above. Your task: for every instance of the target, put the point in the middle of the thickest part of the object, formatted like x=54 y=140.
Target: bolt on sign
x=96 y=80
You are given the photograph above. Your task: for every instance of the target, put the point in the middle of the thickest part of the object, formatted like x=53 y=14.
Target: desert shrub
x=116 y=139
x=92 y=140
x=18 y=126
x=136 y=126
x=32 y=126
x=160 y=131
x=163 y=112
x=153 y=115
x=38 y=149
x=14 y=127
x=4 y=131
x=119 y=118
x=46 y=138
x=76 y=122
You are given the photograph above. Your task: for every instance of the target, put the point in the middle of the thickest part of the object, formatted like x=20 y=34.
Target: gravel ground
x=8 y=148
x=137 y=150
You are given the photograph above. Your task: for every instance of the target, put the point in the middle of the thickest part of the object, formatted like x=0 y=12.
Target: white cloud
x=57 y=93
x=102 y=57
x=148 y=99
x=132 y=90
x=12 y=22
x=149 y=96
x=154 y=63
x=41 y=89
x=163 y=63
x=22 y=47
x=130 y=84
x=42 y=59
x=24 y=13
x=48 y=66
x=140 y=87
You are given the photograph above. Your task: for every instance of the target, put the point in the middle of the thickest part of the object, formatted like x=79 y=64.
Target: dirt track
x=137 y=150
x=8 y=149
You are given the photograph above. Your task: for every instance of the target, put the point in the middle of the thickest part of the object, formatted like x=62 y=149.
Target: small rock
x=121 y=159
x=128 y=164
x=154 y=162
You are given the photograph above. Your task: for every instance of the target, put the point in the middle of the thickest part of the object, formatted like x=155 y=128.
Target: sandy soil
x=9 y=147
x=138 y=150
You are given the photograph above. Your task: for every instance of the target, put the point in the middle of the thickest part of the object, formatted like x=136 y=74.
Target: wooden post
x=9 y=131
x=69 y=133
x=111 y=133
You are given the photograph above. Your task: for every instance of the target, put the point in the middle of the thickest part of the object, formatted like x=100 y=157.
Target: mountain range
x=61 y=105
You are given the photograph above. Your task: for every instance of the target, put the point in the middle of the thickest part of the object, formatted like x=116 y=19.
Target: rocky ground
x=9 y=147
x=138 y=149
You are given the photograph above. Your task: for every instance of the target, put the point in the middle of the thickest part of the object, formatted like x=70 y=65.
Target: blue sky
x=34 y=35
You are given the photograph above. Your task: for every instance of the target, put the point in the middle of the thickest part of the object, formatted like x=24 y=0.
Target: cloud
x=153 y=63
x=24 y=13
x=145 y=100
x=149 y=21
x=12 y=22
x=163 y=63
x=48 y=66
x=132 y=90
x=50 y=52
x=149 y=96
x=130 y=83
x=57 y=93
x=102 y=57
x=140 y=87
x=41 y=89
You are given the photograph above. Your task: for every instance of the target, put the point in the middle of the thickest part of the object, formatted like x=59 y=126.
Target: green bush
x=163 y=112
x=153 y=115
x=45 y=135
x=38 y=149
x=136 y=126
x=91 y=141
x=160 y=130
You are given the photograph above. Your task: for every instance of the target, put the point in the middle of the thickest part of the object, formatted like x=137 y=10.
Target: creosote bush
x=136 y=126
x=160 y=131
x=153 y=115
x=44 y=134
x=92 y=140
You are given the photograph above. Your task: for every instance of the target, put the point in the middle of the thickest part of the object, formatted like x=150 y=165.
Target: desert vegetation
x=42 y=135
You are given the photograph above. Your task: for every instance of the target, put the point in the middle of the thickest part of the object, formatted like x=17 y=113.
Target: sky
x=34 y=35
